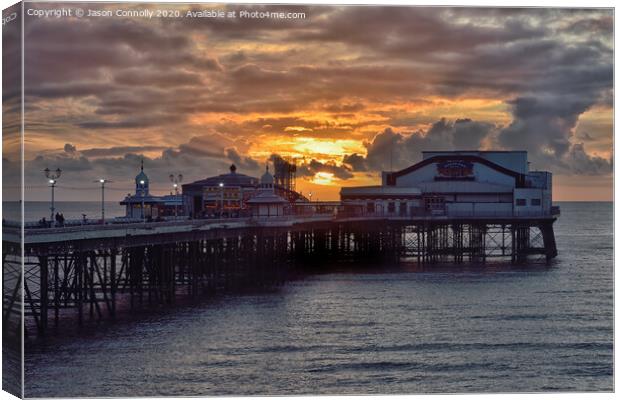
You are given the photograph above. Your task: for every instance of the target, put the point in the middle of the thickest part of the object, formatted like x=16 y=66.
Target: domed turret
x=266 y=181
x=265 y=202
x=142 y=182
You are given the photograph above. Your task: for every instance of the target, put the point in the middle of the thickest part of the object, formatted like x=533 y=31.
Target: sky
x=345 y=92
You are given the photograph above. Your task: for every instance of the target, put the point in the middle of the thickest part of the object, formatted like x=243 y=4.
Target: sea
x=381 y=330
x=71 y=210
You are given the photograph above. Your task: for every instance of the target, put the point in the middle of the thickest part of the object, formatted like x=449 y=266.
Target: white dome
x=267 y=178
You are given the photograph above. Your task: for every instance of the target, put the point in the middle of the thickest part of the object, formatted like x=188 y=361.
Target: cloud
x=394 y=150
x=199 y=94
x=69 y=148
x=544 y=127
x=311 y=168
x=244 y=162
x=201 y=157
x=308 y=169
x=581 y=163
x=118 y=150
x=585 y=136
x=356 y=162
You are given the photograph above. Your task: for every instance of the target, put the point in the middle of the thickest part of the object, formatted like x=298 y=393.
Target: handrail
x=33 y=228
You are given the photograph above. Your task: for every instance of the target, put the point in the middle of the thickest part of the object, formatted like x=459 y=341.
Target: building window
x=403 y=208
x=391 y=207
x=521 y=202
x=535 y=202
x=370 y=207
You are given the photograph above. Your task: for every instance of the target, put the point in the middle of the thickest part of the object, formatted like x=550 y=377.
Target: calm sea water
x=35 y=210
x=493 y=329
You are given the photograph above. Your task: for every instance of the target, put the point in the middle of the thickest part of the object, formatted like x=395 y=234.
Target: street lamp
x=142 y=195
x=175 y=184
x=102 y=182
x=222 y=199
x=52 y=176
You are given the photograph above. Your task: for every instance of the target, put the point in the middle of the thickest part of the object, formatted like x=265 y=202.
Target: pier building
x=266 y=203
x=227 y=195
x=457 y=184
x=142 y=204
x=224 y=194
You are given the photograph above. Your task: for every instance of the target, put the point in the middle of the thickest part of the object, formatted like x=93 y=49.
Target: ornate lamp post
x=102 y=182
x=176 y=180
x=221 y=199
x=52 y=176
x=142 y=195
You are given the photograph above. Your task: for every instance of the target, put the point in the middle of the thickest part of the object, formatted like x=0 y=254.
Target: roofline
x=392 y=176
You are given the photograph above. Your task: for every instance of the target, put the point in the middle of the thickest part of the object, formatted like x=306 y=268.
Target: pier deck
x=87 y=268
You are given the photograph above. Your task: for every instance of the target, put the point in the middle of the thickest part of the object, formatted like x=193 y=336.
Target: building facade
x=457 y=183
x=266 y=203
x=227 y=195
x=223 y=195
x=143 y=205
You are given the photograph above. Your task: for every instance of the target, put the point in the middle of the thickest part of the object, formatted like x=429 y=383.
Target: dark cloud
x=134 y=122
x=243 y=162
x=140 y=77
x=393 y=150
x=344 y=108
x=582 y=163
x=544 y=127
x=118 y=150
x=121 y=164
x=356 y=162
x=308 y=169
x=69 y=148
x=600 y=25
x=64 y=161
x=311 y=168
x=405 y=32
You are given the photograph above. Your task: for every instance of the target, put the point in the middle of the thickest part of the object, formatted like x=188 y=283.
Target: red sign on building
x=455 y=169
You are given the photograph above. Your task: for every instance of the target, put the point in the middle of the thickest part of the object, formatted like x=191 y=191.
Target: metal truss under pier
x=86 y=273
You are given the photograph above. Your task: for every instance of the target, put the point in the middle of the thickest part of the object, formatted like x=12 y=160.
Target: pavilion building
x=457 y=183
x=143 y=205
x=227 y=195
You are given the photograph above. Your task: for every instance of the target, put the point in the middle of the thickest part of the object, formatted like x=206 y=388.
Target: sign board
x=455 y=169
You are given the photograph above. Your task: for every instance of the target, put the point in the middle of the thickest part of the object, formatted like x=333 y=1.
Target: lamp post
x=142 y=195
x=102 y=181
x=175 y=184
x=222 y=199
x=52 y=176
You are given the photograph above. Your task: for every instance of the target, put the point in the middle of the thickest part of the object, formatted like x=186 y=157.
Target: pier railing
x=11 y=229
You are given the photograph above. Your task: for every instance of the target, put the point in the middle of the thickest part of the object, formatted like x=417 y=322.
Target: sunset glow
x=344 y=94
x=323 y=178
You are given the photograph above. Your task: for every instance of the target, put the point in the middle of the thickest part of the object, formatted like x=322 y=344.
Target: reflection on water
x=497 y=328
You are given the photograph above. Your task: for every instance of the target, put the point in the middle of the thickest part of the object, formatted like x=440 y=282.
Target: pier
x=87 y=270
